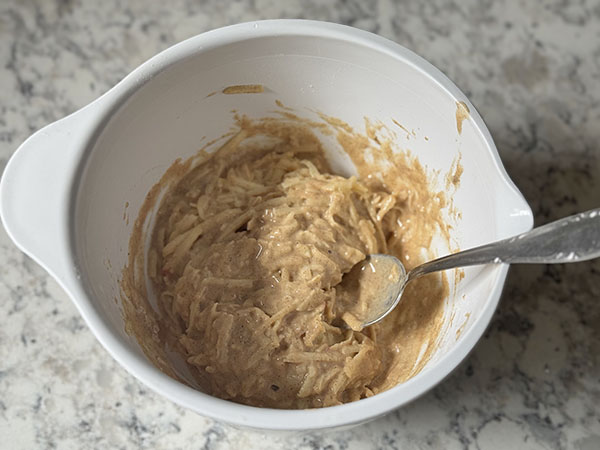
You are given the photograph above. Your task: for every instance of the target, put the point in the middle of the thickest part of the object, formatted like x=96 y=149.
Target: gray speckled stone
x=533 y=71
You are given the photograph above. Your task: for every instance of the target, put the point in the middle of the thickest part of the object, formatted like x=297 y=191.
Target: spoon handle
x=572 y=239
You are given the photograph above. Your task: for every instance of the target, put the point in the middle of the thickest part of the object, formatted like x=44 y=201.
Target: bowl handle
x=35 y=191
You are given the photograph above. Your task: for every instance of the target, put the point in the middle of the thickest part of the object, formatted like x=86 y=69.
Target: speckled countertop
x=533 y=71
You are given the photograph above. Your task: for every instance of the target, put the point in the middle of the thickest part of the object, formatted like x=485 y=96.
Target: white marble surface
x=533 y=71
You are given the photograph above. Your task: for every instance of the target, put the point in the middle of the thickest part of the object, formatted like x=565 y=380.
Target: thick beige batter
x=248 y=255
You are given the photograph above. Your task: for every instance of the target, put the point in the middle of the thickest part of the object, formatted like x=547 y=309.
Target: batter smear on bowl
x=248 y=255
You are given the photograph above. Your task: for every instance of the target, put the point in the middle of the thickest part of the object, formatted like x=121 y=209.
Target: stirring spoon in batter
x=571 y=239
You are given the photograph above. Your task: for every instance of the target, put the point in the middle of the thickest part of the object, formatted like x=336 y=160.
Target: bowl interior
x=177 y=110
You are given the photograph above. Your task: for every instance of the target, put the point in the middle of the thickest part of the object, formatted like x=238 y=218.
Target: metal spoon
x=572 y=239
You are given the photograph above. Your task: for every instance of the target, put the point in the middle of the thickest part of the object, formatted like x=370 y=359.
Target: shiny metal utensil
x=572 y=239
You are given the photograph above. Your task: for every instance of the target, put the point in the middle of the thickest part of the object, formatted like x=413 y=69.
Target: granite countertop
x=533 y=71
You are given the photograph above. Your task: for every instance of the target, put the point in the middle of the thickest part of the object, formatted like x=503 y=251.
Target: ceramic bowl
x=65 y=190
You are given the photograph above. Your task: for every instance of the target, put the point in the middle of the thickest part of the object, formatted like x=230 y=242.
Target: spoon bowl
x=378 y=281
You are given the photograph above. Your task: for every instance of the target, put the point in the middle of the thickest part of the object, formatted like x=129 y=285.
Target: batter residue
x=244 y=89
x=462 y=113
x=248 y=255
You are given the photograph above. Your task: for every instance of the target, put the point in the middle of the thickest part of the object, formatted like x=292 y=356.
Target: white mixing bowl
x=64 y=191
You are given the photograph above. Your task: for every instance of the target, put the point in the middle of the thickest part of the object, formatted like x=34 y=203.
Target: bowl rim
x=269 y=418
